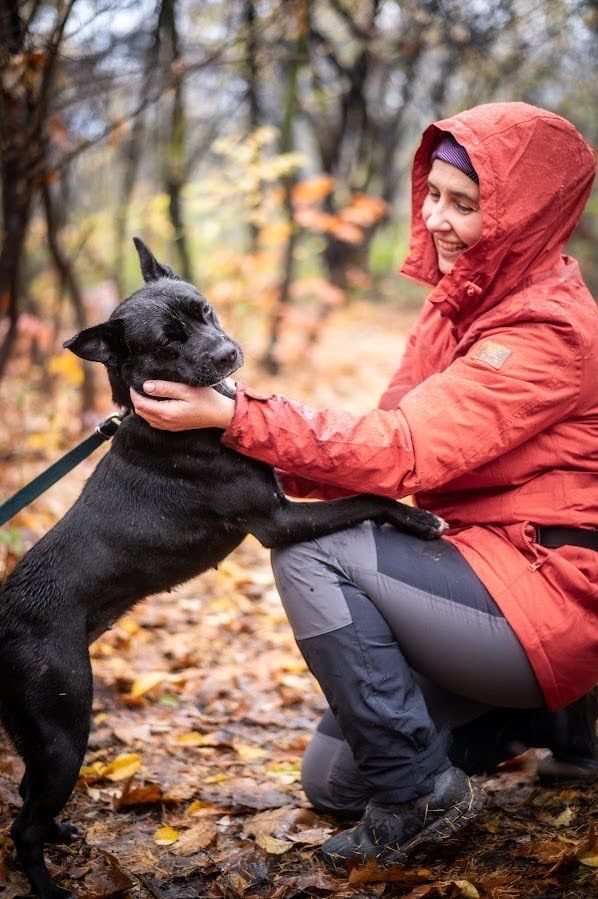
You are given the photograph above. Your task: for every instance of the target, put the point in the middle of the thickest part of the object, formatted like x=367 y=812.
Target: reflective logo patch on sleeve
x=493 y=354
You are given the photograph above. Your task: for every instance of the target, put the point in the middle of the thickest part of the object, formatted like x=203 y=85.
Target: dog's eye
x=206 y=310
x=165 y=351
x=172 y=332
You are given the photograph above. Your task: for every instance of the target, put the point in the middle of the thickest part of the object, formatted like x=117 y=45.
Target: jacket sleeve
x=480 y=407
x=403 y=379
x=305 y=488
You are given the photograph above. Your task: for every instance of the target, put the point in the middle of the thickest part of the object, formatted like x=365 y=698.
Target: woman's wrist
x=182 y=408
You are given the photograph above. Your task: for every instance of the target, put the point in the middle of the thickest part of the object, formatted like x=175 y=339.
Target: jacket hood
x=535 y=172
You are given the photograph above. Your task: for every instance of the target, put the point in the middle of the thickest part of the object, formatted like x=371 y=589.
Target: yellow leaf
x=285 y=772
x=166 y=836
x=122 y=768
x=590 y=860
x=200 y=807
x=44 y=440
x=249 y=753
x=193 y=738
x=565 y=818
x=216 y=778
x=92 y=770
x=467 y=889
x=147 y=682
x=272 y=845
x=68 y=366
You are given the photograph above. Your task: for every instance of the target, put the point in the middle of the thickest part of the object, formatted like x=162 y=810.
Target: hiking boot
x=392 y=833
x=574 y=744
x=570 y=733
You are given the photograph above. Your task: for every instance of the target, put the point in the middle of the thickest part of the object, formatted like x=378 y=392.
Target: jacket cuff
x=234 y=433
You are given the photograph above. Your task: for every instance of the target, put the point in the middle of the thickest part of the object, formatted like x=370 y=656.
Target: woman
x=491 y=422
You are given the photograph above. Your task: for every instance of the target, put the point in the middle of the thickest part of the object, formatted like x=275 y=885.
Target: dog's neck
x=122 y=396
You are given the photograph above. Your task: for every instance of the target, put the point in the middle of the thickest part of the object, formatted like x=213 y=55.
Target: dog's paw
x=62 y=833
x=441 y=525
x=426 y=525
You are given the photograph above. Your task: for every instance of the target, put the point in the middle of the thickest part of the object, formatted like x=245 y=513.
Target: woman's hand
x=185 y=408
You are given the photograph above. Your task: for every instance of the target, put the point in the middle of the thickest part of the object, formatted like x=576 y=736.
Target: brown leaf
x=196 y=838
x=148 y=794
x=242 y=869
x=280 y=821
x=107 y=880
x=372 y=873
x=587 y=851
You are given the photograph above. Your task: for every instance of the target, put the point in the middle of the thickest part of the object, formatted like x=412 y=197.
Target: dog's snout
x=224 y=356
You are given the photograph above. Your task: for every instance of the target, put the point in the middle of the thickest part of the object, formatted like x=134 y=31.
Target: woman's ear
x=100 y=343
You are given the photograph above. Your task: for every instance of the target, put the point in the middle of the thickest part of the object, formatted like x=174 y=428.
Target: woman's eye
x=464 y=209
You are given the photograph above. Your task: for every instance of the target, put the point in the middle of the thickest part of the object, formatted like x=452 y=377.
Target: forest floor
x=203 y=707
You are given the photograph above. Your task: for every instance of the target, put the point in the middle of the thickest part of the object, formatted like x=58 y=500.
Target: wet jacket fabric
x=492 y=417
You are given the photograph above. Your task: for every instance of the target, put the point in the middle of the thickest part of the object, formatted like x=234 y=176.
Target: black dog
x=160 y=508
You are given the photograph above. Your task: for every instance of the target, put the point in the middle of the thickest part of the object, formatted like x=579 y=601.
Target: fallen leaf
x=587 y=851
x=564 y=819
x=217 y=778
x=249 y=753
x=145 y=683
x=272 y=845
x=404 y=874
x=148 y=794
x=311 y=836
x=200 y=807
x=122 y=768
x=108 y=880
x=166 y=836
x=198 y=837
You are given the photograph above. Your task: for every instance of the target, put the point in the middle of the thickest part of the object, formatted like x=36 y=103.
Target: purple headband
x=448 y=150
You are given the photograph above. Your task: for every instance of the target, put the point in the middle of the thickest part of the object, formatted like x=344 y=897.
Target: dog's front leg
x=292 y=522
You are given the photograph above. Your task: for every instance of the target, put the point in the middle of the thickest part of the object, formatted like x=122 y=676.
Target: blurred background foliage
x=261 y=147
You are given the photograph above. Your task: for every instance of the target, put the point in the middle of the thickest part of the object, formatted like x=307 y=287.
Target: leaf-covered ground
x=203 y=707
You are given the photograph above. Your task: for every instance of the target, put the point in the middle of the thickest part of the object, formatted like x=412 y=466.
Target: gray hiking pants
x=406 y=644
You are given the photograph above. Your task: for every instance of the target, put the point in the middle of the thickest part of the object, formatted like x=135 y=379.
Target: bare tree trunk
x=68 y=278
x=298 y=52
x=252 y=79
x=175 y=161
x=17 y=190
x=24 y=110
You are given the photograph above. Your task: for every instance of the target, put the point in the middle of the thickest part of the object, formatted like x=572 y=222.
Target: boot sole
x=456 y=819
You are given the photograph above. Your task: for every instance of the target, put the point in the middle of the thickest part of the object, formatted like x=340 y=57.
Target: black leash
x=104 y=431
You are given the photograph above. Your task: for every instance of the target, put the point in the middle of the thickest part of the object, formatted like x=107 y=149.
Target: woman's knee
x=307 y=577
x=330 y=778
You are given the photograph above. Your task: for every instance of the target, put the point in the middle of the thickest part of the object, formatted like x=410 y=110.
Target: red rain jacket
x=492 y=418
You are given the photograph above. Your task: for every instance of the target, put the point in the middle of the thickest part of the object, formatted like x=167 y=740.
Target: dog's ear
x=151 y=269
x=100 y=343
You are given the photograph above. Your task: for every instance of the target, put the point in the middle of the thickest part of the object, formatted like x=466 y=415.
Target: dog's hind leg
x=51 y=732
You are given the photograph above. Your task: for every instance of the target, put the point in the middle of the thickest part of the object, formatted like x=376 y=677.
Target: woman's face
x=451 y=212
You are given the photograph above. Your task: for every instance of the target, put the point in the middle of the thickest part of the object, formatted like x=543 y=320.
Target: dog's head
x=166 y=330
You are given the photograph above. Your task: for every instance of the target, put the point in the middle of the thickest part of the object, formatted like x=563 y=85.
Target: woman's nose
x=436 y=221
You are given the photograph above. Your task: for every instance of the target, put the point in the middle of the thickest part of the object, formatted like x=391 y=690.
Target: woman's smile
x=451 y=213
